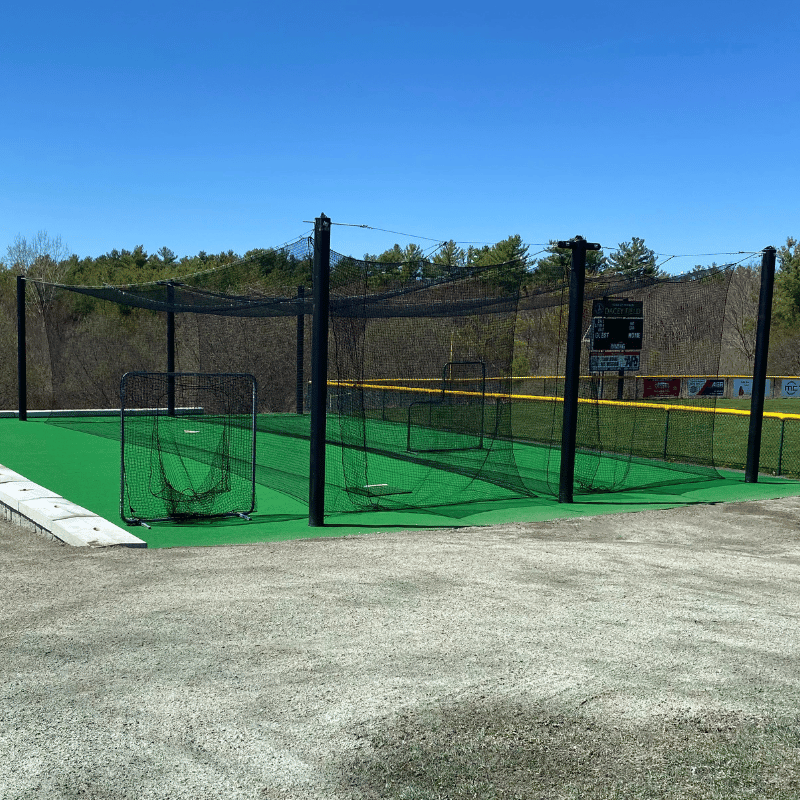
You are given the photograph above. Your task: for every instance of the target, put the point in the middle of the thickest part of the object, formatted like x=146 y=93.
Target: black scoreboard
x=617 y=325
x=617 y=334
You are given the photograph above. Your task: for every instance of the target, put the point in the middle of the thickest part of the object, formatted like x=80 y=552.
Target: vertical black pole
x=301 y=292
x=171 y=350
x=22 y=360
x=319 y=369
x=572 y=373
x=760 y=365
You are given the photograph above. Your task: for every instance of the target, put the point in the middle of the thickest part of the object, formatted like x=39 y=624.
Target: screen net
x=188 y=445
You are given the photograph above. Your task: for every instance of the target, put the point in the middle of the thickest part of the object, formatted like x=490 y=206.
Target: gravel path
x=254 y=672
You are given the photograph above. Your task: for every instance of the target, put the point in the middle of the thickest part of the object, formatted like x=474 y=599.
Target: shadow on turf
x=283 y=526
x=226 y=522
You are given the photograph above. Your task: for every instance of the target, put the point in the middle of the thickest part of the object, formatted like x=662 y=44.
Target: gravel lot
x=260 y=671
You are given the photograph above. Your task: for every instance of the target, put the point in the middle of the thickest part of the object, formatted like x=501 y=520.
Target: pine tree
x=635 y=259
x=450 y=255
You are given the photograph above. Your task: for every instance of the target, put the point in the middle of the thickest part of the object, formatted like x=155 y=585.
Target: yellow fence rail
x=780 y=449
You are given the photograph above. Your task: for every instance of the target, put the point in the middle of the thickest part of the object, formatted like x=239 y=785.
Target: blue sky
x=225 y=126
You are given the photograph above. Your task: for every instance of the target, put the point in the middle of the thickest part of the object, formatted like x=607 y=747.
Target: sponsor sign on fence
x=790 y=387
x=662 y=387
x=743 y=388
x=706 y=387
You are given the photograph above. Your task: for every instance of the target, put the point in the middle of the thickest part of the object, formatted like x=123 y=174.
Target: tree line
x=47 y=258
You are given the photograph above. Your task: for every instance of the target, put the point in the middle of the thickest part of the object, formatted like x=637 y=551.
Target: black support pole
x=171 y=350
x=572 y=372
x=22 y=360
x=760 y=365
x=319 y=370
x=301 y=332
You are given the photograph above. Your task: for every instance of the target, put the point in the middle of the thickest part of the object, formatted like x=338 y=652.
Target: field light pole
x=572 y=372
x=760 y=365
x=321 y=274
x=22 y=360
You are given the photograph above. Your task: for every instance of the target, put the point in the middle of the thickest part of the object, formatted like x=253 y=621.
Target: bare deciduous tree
x=43 y=257
x=739 y=332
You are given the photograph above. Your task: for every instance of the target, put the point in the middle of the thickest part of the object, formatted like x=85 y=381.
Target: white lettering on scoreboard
x=614 y=362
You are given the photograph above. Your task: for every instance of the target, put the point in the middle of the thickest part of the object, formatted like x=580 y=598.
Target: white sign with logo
x=743 y=387
x=613 y=362
x=706 y=387
x=790 y=387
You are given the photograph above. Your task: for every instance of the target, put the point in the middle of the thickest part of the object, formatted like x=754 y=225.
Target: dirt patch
x=522 y=752
x=282 y=670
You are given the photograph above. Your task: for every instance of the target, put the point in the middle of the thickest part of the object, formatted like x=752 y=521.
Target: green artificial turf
x=85 y=469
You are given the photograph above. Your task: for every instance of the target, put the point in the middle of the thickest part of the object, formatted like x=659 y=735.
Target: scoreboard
x=617 y=333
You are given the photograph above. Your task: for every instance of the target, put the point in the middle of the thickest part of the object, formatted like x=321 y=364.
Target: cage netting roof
x=358 y=288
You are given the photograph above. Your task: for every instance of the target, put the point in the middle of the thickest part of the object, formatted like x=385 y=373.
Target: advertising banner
x=790 y=387
x=706 y=387
x=743 y=388
x=662 y=387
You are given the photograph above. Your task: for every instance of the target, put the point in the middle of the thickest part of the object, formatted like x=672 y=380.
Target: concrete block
x=7 y=475
x=43 y=510
x=13 y=493
x=93 y=532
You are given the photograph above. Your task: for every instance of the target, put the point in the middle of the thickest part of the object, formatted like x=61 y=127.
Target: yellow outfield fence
x=780 y=444
x=778 y=386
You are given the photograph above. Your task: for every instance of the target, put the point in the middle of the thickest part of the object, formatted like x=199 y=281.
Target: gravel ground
x=259 y=671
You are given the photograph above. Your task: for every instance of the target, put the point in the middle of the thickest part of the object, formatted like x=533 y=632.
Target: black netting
x=445 y=383
x=187 y=445
x=628 y=439
x=418 y=362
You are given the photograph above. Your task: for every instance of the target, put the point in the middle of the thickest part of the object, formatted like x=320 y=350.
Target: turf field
x=80 y=460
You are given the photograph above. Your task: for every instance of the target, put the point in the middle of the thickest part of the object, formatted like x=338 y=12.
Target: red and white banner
x=662 y=387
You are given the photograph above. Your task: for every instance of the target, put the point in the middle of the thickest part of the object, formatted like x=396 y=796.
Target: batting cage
x=445 y=383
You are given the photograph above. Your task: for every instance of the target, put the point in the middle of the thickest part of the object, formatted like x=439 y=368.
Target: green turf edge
x=85 y=470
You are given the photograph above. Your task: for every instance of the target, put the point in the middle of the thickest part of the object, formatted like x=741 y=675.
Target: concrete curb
x=50 y=515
